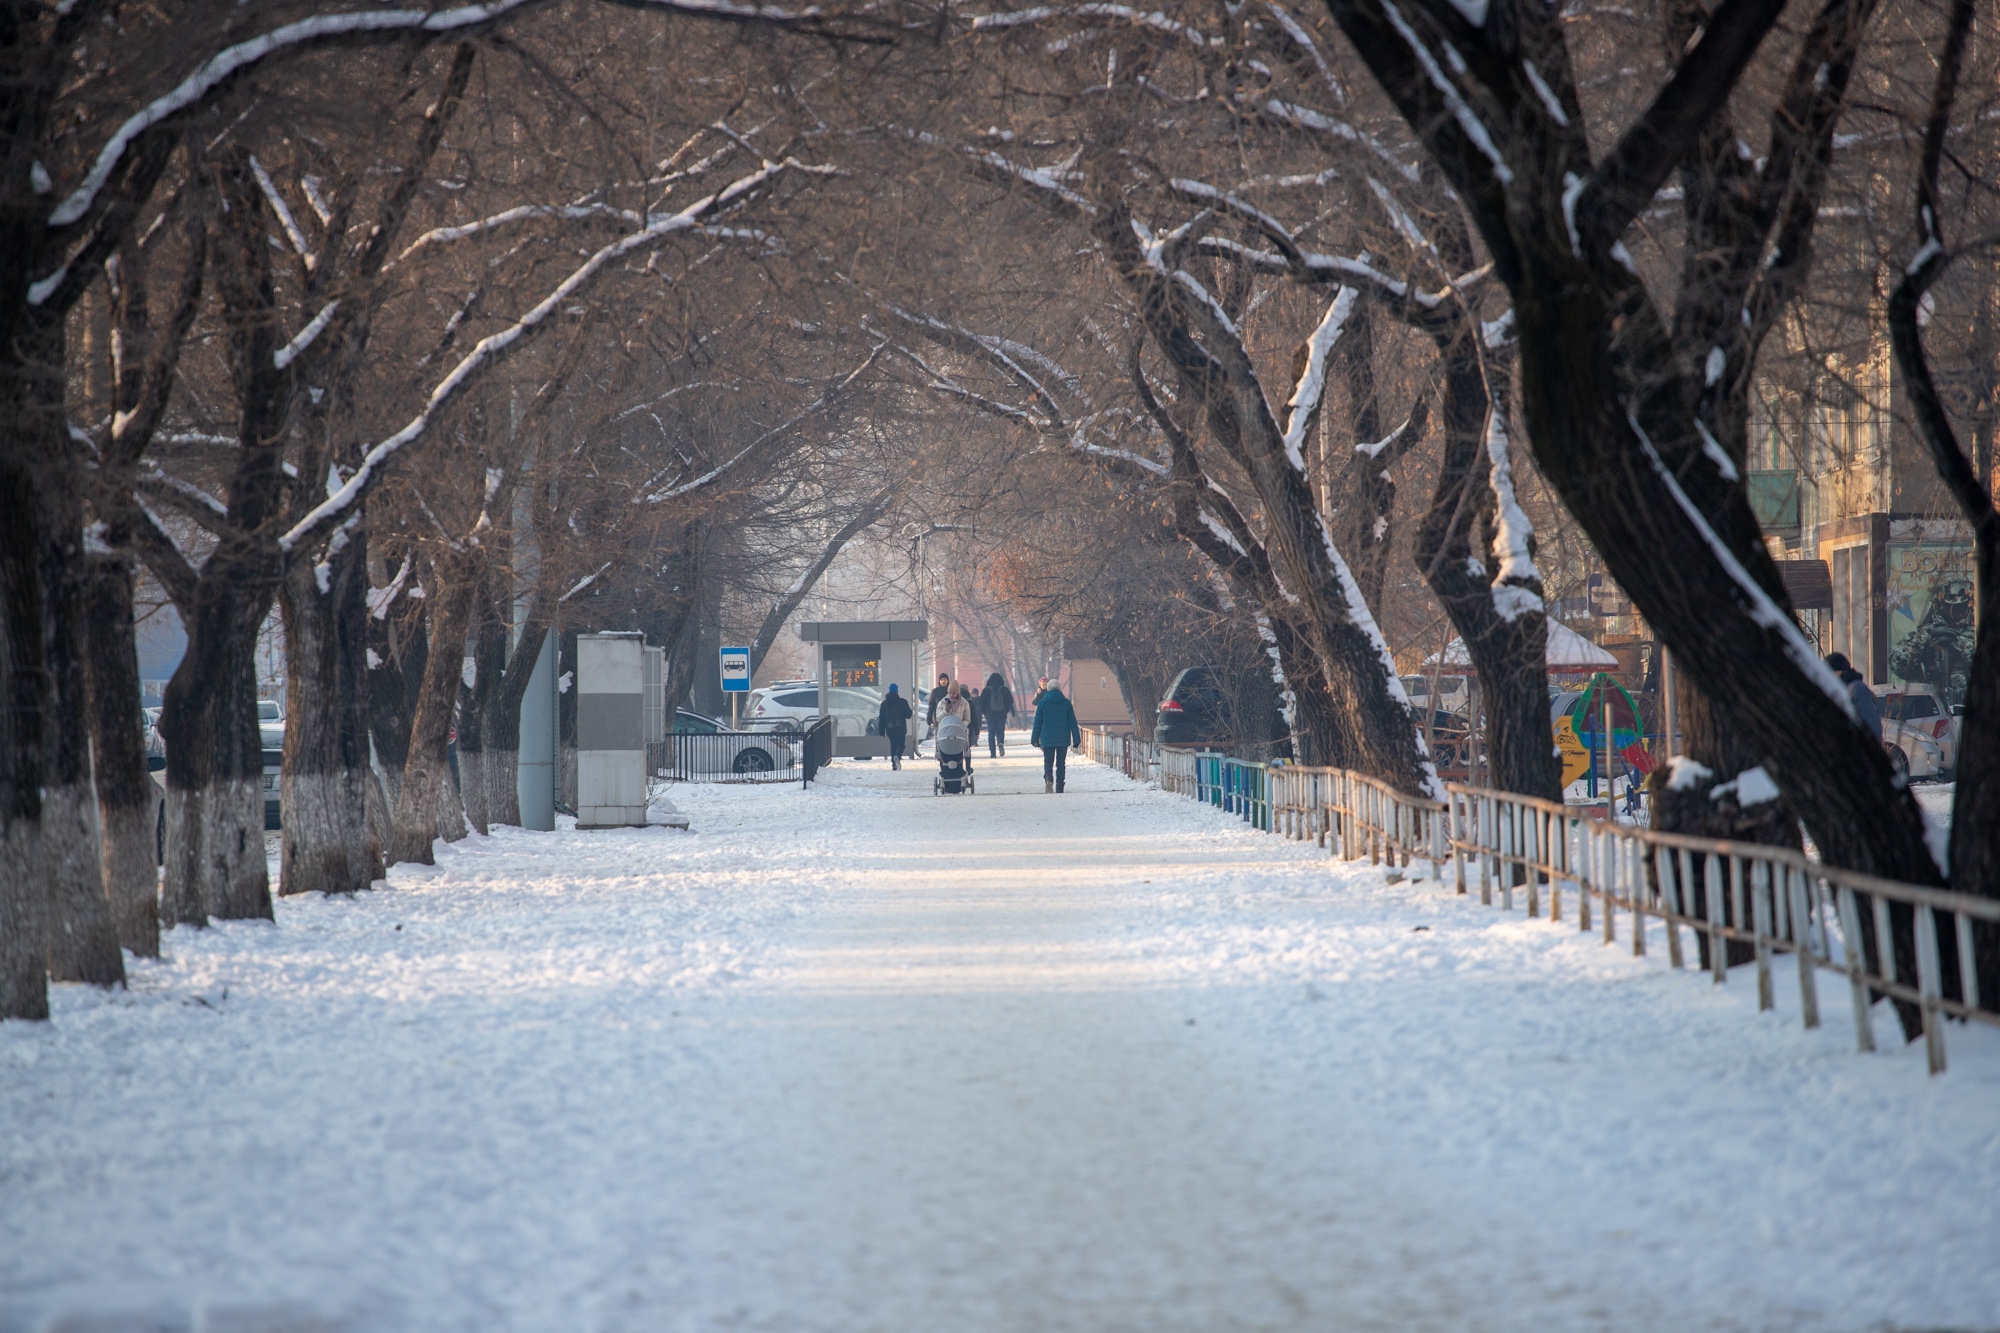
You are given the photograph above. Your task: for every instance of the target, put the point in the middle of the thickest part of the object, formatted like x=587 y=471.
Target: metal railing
x=726 y=756
x=1766 y=900
x=816 y=748
x=1771 y=899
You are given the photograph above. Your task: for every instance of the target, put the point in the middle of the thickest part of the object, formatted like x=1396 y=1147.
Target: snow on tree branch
x=289 y=353
x=1299 y=35
x=490 y=349
x=284 y=212
x=1311 y=388
x=1306 y=118
x=1145 y=18
x=1512 y=595
x=709 y=477
x=1468 y=119
x=324 y=29
x=566 y=212
x=584 y=582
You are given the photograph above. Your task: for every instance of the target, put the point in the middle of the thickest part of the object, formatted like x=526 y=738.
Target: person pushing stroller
x=954 y=743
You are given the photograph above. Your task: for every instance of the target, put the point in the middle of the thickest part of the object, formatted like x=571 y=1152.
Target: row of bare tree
x=1229 y=325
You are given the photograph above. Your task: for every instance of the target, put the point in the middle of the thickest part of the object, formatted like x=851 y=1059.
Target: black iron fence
x=726 y=756
x=817 y=746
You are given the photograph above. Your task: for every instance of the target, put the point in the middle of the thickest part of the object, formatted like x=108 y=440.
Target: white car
x=1916 y=725
x=271 y=738
x=854 y=709
x=704 y=748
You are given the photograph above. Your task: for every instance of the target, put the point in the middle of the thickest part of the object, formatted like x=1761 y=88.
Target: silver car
x=703 y=748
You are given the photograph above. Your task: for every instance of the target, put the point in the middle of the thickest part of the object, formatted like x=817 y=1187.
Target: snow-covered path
x=862 y=1059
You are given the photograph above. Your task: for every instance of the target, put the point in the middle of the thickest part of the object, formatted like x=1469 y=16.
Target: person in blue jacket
x=1055 y=731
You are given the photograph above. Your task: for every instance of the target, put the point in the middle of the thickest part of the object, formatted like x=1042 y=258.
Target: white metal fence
x=1766 y=900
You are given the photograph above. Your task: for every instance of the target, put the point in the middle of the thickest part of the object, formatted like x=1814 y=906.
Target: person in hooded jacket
x=996 y=701
x=1055 y=731
x=1867 y=709
x=892 y=719
x=957 y=703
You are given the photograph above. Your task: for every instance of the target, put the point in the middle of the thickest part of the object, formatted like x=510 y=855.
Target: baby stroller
x=954 y=756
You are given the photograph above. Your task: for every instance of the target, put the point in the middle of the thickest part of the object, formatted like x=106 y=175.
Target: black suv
x=1194 y=711
x=1197 y=711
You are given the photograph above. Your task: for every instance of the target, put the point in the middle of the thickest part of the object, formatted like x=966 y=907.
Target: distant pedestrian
x=1867 y=710
x=996 y=701
x=893 y=721
x=937 y=698
x=1041 y=688
x=1055 y=731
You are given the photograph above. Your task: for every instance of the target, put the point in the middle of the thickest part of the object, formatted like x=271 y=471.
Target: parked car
x=270 y=737
x=854 y=708
x=1196 y=711
x=705 y=747
x=1916 y=710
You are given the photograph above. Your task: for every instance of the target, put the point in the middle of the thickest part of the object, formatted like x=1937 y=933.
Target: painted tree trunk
x=82 y=939
x=125 y=791
x=451 y=823
x=328 y=846
x=427 y=770
x=472 y=760
x=24 y=987
x=215 y=758
x=503 y=725
x=399 y=649
x=380 y=821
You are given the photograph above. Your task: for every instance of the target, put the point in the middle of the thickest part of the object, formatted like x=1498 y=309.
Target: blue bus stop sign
x=736 y=670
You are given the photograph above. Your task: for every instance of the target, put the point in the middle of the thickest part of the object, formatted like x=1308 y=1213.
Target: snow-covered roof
x=1568 y=651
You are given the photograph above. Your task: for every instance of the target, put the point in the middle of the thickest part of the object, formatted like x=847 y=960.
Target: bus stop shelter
x=865 y=654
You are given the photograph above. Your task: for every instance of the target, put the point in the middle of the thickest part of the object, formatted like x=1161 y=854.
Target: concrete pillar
x=610 y=731
x=535 y=778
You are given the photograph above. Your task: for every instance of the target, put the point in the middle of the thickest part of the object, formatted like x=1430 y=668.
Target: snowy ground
x=858 y=1058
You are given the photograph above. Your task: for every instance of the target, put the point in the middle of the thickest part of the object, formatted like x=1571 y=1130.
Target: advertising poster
x=1930 y=612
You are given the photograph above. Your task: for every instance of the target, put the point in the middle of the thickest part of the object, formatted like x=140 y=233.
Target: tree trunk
x=1215 y=371
x=503 y=725
x=472 y=758
x=476 y=705
x=24 y=984
x=125 y=790
x=82 y=937
x=400 y=649
x=1509 y=653
x=1371 y=504
x=427 y=772
x=328 y=844
x=215 y=753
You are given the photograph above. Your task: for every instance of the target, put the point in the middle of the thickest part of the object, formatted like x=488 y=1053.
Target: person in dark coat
x=892 y=719
x=1055 y=731
x=996 y=701
x=1867 y=709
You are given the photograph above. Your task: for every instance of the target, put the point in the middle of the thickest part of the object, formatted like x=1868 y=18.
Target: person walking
x=892 y=719
x=1055 y=731
x=996 y=701
x=1041 y=688
x=958 y=704
x=936 y=701
x=1867 y=709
